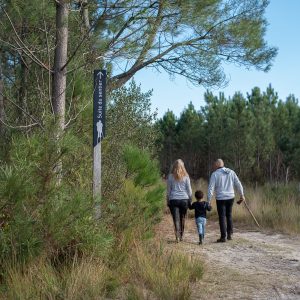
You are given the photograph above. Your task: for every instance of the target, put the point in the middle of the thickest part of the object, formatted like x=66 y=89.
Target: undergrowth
x=51 y=245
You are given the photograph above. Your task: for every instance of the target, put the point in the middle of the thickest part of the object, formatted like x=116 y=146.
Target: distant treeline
x=257 y=135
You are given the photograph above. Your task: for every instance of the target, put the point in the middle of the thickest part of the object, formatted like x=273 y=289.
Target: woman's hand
x=168 y=202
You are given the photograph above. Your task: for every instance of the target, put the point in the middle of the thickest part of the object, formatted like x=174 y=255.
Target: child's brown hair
x=199 y=195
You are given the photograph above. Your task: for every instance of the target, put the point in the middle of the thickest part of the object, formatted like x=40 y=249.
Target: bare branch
x=18 y=127
x=23 y=46
x=127 y=23
x=76 y=116
x=152 y=33
x=25 y=112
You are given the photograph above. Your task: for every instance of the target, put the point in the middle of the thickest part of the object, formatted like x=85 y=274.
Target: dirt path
x=254 y=265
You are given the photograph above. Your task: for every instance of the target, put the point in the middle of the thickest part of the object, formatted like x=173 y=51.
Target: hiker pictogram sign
x=99 y=106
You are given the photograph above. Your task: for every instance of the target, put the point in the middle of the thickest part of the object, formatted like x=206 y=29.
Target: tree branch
x=120 y=79
x=18 y=127
x=29 y=54
x=25 y=112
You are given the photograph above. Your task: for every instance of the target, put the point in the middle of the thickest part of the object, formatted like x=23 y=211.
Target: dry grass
x=85 y=279
x=275 y=206
x=168 y=275
x=88 y=279
x=149 y=272
x=38 y=280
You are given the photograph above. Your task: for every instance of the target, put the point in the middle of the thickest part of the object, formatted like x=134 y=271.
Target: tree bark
x=22 y=95
x=59 y=70
x=287 y=175
x=270 y=169
x=85 y=15
x=2 y=114
x=59 y=82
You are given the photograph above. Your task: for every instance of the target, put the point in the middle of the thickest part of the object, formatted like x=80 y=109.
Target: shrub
x=50 y=244
x=138 y=205
x=40 y=216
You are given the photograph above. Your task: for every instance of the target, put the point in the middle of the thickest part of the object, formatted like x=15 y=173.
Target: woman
x=179 y=193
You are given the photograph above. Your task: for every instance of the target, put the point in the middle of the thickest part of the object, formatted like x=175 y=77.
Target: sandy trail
x=254 y=265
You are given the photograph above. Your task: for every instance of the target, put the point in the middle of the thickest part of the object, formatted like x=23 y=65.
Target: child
x=200 y=208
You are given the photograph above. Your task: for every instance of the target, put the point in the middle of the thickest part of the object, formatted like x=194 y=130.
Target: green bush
x=37 y=214
x=143 y=169
x=138 y=205
x=51 y=246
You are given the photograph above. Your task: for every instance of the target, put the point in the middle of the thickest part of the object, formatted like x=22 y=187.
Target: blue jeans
x=201 y=222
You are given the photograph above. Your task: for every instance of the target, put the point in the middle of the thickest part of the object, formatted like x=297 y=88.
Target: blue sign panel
x=99 y=106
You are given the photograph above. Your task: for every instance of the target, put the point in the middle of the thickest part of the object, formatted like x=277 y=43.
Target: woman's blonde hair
x=178 y=170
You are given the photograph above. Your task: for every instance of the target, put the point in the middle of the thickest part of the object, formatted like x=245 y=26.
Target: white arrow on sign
x=100 y=74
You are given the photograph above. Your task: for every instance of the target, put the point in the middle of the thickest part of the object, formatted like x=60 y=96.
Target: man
x=222 y=182
x=99 y=126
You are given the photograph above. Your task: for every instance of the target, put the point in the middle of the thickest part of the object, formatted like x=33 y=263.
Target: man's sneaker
x=221 y=240
x=229 y=237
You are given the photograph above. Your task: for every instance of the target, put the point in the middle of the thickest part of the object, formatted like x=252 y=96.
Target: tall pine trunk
x=60 y=60
x=85 y=15
x=22 y=94
x=2 y=115
x=59 y=82
x=24 y=72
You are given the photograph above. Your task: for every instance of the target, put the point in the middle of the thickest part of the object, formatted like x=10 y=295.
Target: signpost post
x=98 y=133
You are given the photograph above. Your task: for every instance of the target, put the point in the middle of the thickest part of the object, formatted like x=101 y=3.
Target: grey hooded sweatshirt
x=223 y=181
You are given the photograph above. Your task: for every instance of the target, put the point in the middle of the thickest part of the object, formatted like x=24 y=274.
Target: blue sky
x=282 y=32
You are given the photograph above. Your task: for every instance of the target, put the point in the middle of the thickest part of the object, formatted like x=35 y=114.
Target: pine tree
x=240 y=132
x=190 y=128
x=167 y=141
x=261 y=107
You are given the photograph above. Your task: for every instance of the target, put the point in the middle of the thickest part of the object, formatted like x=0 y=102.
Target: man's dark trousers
x=224 y=208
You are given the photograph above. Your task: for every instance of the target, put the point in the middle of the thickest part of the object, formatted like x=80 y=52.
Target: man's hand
x=242 y=198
